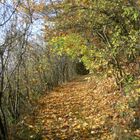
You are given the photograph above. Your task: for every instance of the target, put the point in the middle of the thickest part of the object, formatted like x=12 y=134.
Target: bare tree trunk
x=3 y=124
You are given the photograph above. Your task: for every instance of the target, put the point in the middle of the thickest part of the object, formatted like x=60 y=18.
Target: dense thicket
x=102 y=35
x=27 y=66
x=109 y=31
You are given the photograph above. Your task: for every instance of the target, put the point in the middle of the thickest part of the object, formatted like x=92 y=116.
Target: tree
x=110 y=30
x=14 y=37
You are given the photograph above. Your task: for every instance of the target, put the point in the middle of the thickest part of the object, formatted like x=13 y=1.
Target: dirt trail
x=79 y=110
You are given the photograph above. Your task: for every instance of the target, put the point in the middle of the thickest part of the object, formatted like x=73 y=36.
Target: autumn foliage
x=45 y=45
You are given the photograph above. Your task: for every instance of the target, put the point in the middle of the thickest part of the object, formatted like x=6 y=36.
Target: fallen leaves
x=80 y=110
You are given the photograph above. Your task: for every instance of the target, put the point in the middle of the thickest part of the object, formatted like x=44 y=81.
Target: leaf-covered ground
x=83 y=109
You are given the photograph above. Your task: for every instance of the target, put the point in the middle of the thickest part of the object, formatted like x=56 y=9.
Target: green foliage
x=107 y=37
x=72 y=45
x=130 y=11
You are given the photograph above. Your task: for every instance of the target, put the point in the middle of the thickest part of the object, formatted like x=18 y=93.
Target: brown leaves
x=80 y=110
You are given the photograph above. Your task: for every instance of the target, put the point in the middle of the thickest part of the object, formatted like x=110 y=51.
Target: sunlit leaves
x=131 y=12
x=105 y=36
x=72 y=45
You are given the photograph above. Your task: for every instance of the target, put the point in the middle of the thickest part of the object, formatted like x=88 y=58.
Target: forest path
x=78 y=110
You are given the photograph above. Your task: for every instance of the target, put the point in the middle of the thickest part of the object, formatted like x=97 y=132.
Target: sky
x=6 y=10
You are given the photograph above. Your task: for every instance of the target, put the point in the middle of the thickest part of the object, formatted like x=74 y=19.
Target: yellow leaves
x=84 y=2
x=60 y=119
x=92 y=132
x=85 y=124
x=77 y=126
x=30 y=126
x=71 y=44
x=39 y=7
x=31 y=7
x=138 y=90
x=78 y=108
x=34 y=81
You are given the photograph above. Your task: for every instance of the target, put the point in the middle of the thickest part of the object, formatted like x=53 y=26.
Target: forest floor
x=83 y=109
